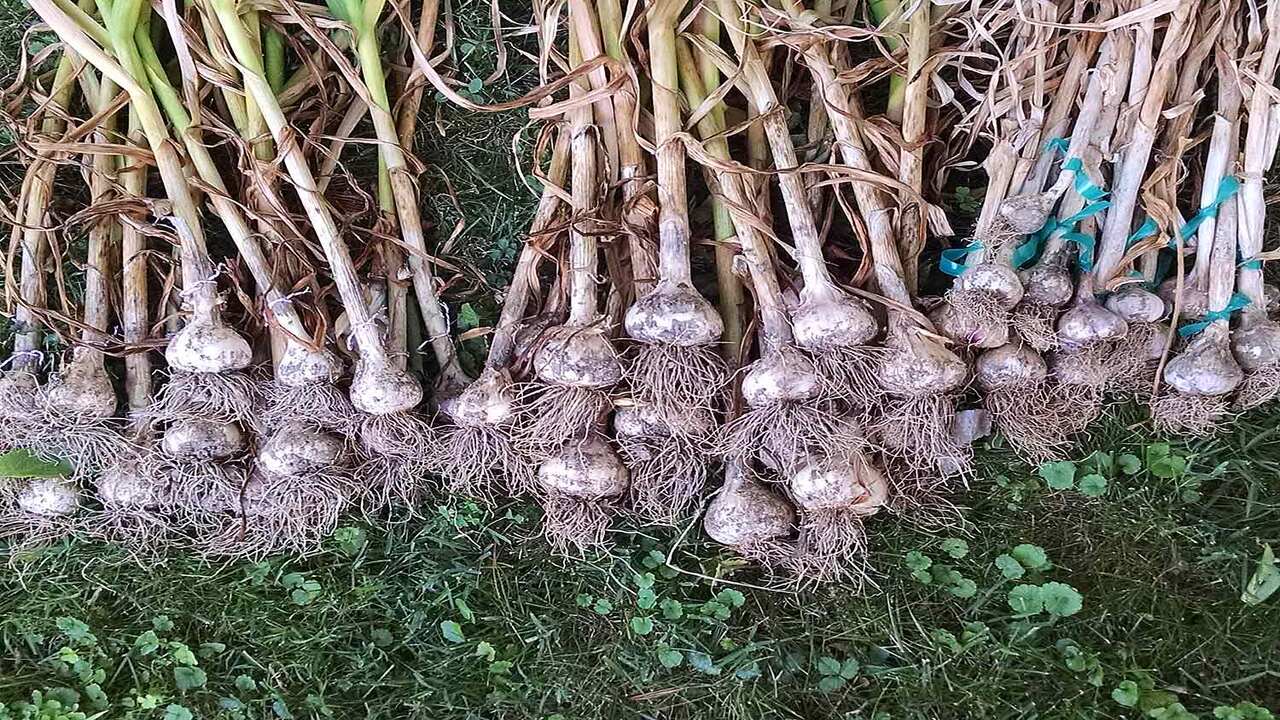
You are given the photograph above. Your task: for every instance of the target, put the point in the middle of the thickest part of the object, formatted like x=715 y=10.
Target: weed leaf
x=1061 y=599
x=955 y=547
x=1026 y=599
x=189 y=678
x=452 y=631
x=1031 y=557
x=1265 y=580
x=1093 y=486
x=1126 y=694
x=1058 y=475
x=1009 y=567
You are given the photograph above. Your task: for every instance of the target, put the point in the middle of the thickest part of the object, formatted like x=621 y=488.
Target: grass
x=463 y=613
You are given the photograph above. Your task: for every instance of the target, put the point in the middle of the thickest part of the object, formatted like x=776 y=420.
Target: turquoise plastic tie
x=1226 y=189
x=1083 y=186
x=1236 y=303
x=1144 y=231
x=953 y=260
x=1085 y=242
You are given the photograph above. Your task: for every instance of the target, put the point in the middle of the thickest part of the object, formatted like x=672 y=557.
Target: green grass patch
x=1119 y=594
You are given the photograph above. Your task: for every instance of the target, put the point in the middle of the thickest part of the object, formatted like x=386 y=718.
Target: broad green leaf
x=350 y=539
x=146 y=643
x=1129 y=464
x=1126 y=693
x=672 y=609
x=955 y=547
x=96 y=697
x=644 y=580
x=1242 y=711
x=602 y=606
x=1265 y=580
x=1093 y=486
x=583 y=600
x=965 y=588
x=828 y=665
x=1061 y=599
x=1058 y=475
x=670 y=658
x=485 y=650
x=831 y=683
x=75 y=630
x=717 y=610
x=946 y=639
x=1162 y=463
x=182 y=654
x=464 y=609
x=1155 y=699
x=917 y=560
x=1009 y=567
x=210 y=649
x=641 y=625
x=750 y=672
x=1031 y=557
x=468 y=318
x=244 y=683
x=1026 y=599
x=1076 y=662
x=849 y=669
x=1099 y=461
x=189 y=678
x=500 y=667
x=475 y=85
x=20 y=463
x=646 y=598
x=946 y=575
x=177 y=712
x=452 y=631
x=731 y=597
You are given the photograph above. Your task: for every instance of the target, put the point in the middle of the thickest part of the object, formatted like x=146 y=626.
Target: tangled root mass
x=684 y=377
x=784 y=435
x=1191 y=415
x=667 y=477
x=480 y=461
x=551 y=415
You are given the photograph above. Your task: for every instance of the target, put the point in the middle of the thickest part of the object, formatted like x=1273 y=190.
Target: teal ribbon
x=1237 y=302
x=953 y=260
x=1250 y=264
x=1084 y=188
x=1164 y=263
x=1144 y=231
x=1028 y=250
x=1085 y=213
x=1226 y=189
x=1086 y=248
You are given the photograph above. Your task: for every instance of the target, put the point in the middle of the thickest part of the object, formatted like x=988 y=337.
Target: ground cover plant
x=1127 y=574
x=1114 y=586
